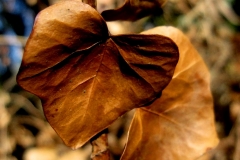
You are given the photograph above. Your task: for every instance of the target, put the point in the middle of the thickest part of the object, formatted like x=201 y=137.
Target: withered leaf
x=133 y=10
x=180 y=124
x=87 y=78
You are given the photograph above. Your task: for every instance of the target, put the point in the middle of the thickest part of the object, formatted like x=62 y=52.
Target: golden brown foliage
x=180 y=124
x=87 y=78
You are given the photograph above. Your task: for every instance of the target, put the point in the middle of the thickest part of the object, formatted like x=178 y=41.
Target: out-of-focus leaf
x=87 y=78
x=133 y=10
x=180 y=124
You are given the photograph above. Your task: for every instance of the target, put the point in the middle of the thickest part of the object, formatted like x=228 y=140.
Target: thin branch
x=100 y=146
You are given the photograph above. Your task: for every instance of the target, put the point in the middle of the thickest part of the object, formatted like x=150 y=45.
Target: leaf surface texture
x=87 y=78
x=180 y=124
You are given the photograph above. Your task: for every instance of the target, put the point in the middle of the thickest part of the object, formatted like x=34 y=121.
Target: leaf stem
x=100 y=146
x=92 y=3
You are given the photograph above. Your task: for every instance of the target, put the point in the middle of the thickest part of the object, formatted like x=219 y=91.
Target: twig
x=100 y=146
x=22 y=102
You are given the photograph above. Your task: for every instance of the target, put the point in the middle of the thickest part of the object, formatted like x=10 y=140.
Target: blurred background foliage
x=213 y=26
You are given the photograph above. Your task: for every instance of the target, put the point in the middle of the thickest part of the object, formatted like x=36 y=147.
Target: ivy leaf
x=133 y=10
x=87 y=78
x=180 y=124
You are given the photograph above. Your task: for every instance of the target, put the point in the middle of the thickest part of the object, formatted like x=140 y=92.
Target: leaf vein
x=170 y=120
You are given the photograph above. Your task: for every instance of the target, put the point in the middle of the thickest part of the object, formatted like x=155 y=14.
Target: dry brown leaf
x=180 y=124
x=87 y=78
x=133 y=10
